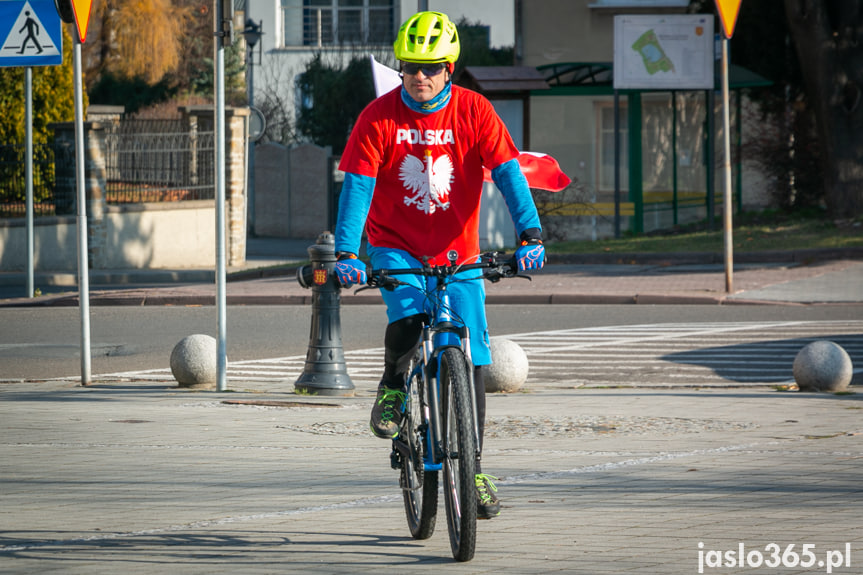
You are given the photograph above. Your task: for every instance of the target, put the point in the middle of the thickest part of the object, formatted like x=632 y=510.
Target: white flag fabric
x=385 y=77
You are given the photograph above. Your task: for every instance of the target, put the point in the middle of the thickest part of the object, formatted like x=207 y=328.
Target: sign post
x=728 y=10
x=81 y=211
x=30 y=287
x=224 y=37
x=79 y=12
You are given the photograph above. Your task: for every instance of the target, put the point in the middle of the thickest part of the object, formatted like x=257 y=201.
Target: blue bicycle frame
x=443 y=331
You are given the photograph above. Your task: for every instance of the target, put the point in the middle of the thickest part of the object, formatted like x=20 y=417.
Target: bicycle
x=439 y=430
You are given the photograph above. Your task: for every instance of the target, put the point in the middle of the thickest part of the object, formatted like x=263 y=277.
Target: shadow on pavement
x=741 y=362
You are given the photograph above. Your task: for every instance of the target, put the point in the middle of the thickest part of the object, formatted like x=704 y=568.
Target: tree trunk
x=828 y=36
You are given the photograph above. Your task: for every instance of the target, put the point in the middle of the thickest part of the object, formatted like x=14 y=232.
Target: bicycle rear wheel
x=459 y=444
x=419 y=487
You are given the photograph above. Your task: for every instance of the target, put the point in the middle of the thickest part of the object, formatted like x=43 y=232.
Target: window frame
x=324 y=24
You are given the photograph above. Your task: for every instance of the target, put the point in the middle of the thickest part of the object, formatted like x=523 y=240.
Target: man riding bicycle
x=413 y=179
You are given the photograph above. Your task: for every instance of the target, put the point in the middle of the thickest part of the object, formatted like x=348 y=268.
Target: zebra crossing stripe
x=732 y=353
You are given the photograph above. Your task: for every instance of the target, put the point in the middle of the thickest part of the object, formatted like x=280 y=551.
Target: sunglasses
x=429 y=70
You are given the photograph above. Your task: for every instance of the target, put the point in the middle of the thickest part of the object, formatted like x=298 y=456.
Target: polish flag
x=541 y=170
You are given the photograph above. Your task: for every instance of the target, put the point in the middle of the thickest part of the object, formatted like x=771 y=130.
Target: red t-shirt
x=428 y=170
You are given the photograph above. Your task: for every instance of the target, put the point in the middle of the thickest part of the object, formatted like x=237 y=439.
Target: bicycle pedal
x=395 y=459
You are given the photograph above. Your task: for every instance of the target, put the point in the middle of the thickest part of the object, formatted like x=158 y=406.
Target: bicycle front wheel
x=459 y=445
x=419 y=487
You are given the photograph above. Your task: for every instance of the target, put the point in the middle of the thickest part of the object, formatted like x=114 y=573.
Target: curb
x=168 y=300
x=167 y=294
x=686 y=258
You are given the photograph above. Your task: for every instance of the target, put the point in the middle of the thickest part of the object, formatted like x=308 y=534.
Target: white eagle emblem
x=429 y=181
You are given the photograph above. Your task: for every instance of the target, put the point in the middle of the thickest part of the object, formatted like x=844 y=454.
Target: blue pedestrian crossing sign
x=30 y=33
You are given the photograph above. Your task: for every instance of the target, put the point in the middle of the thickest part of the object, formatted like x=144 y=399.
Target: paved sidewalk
x=146 y=478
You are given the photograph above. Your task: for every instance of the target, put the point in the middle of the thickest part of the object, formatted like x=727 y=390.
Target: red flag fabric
x=541 y=170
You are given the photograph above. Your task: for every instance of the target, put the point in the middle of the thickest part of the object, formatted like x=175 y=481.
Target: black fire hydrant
x=325 y=372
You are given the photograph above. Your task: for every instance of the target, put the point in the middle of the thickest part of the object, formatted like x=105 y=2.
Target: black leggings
x=400 y=340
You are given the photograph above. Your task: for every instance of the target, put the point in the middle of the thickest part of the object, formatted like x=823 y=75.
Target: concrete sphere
x=822 y=366
x=193 y=361
x=509 y=367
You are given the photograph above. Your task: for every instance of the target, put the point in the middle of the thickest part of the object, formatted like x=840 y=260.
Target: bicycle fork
x=434 y=450
x=449 y=336
x=429 y=397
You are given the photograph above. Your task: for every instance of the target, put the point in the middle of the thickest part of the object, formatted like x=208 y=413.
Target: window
x=605 y=157
x=646 y=4
x=672 y=142
x=334 y=22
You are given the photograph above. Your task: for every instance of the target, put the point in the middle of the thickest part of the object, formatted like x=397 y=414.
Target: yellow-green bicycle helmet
x=427 y=37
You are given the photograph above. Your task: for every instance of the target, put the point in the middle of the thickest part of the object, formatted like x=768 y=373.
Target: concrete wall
x=54 y=240
x=167 y=235
x=147 y=236
x=236 y=135
x=162 y=236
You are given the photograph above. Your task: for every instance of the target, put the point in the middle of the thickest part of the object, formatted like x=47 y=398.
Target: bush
x=333 y=98
x=133 y=94
x=53 y=98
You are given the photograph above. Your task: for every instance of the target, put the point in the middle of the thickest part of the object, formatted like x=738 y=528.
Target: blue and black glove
x=350 y=270
x=531 y=253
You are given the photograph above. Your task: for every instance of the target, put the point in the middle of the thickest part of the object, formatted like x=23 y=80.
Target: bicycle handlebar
x=496 y=264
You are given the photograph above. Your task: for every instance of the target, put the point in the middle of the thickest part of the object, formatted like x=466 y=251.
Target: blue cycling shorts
x=467 y=298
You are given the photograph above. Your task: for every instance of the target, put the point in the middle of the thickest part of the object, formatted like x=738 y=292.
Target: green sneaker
x=387 y=412
x=487 y=503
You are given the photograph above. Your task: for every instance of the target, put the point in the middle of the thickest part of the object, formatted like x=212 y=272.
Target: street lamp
x=252 y=34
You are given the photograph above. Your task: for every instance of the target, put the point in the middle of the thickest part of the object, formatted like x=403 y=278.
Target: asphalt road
x=45 y=343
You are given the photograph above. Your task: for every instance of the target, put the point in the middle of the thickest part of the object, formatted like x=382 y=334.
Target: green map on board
x=655 y=58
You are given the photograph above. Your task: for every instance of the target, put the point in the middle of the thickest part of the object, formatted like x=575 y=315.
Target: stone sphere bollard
x=193 y=361
x=822 y=366
x=509 y=367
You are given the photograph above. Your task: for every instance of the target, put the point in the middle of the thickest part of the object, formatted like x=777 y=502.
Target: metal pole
x=674 y=199
x=711 y=158
x=221 y=358
x=616 y=164
x=81 y=175
x=28 y=177
x=250 y=178
x=726 y=164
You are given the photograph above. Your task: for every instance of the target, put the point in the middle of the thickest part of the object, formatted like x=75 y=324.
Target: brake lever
x=388 y=284
x=494 y=275
x=513 y=266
